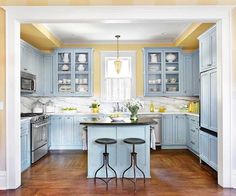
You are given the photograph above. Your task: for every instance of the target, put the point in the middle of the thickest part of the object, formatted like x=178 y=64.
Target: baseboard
x=3 y=180
x=233 y=179
x=174 y=147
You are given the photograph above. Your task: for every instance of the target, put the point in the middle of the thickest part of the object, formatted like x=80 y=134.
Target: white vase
x=153 y=58
x=82 y=58
x=170 y=57
x=66 y=58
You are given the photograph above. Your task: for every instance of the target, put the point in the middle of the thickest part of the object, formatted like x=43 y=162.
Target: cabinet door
x=67 y=132
x=213 y=100
x=213 y=48
x=188 y=74
x=196 y=74
x=180 y=130
x=167 y=130
x=205 y=53
x=56 y=130
x=25 y=146
x=205 y=99
x=48 y=75
x=188 y=131
x=78 y=132
x=204 y=146
x=213 y=151
x=23 y=58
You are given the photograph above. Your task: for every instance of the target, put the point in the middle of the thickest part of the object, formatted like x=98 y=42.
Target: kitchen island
x=119 y=153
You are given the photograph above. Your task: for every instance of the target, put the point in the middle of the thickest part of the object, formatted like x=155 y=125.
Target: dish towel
x=153 y=139
x=84 y=139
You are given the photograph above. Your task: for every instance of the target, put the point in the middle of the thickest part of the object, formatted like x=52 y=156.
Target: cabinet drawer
x=194 y=145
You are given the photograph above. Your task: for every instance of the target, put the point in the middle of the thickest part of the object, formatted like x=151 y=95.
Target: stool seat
x=105 y=141
x=134 y=141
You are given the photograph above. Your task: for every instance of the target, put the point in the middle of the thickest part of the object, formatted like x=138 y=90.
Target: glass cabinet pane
x=172 y=61
x=172 y=82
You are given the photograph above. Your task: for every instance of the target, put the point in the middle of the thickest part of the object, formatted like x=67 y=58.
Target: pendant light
x=117 y=62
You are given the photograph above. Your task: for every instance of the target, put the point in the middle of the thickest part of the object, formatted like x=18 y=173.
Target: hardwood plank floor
x=174 y=172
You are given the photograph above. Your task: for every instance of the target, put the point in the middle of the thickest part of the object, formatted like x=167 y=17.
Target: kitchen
x=169 y=78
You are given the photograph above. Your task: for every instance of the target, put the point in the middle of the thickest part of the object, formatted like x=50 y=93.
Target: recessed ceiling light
x=117 y=21
x=164 y=33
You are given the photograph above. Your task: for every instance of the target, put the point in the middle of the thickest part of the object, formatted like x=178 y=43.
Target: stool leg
x=127 y=170
x=95 y=176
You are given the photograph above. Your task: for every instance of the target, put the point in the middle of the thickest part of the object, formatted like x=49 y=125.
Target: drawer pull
x=193 y=130
x=192 y=142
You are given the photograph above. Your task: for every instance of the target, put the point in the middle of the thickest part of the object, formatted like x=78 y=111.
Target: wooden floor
x=175 y=172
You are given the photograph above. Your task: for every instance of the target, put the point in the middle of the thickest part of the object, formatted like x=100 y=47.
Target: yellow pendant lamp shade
x=117 y=62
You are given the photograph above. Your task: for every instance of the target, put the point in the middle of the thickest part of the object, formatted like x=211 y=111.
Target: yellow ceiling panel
x=188 y=39
x=38 y=36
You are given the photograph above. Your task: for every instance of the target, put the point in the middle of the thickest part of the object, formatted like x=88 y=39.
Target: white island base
x=119 y=153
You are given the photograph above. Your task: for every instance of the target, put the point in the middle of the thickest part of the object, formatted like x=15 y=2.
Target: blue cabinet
x=167 y=130
x=207 y=50
x=208 y=149
x=188 y=74
x=173 y=130
x=180 y=129
x=196 y=74
x=209 y=100
x=163 y=71
x=65 y=132
x=32 y=62
x=193 y=132
x=73 y=72
x=25 y=145
x=48 y=75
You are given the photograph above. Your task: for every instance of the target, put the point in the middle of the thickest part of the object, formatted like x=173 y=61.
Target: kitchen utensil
x=170 y=57
x=173 y=80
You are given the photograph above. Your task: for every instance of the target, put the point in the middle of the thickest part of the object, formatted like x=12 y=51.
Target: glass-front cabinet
x=73 y=70
x=162 y=71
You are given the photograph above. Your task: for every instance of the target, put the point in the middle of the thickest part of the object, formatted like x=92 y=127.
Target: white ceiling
x=105 y=31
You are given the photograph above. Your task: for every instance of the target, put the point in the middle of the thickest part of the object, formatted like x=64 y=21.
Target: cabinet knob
x=209 y=65
x=192 y=142
x=25 y=69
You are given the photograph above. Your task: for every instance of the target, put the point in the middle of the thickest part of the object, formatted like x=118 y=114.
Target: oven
x=39 y=138
x=28 y=82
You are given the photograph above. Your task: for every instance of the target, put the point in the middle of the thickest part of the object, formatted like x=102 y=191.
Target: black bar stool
x=133 y=141
x=105 y=164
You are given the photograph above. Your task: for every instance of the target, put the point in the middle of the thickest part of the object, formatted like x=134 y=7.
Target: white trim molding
x=36 y=14
x=3 y=180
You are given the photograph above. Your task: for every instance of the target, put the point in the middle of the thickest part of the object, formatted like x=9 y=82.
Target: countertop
x=126 y=113
x=126 y=121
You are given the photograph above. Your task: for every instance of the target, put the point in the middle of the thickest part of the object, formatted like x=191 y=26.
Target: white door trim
x=15 y=15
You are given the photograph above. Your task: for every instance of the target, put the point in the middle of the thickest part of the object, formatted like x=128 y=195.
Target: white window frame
x=133 y=55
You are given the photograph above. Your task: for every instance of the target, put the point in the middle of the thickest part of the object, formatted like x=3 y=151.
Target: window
x=118 y=87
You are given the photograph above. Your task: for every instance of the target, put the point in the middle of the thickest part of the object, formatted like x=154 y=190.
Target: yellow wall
x=112 y=47
x=2 y=88
x=117 y=2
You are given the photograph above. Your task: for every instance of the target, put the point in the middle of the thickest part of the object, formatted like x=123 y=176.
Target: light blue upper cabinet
x=188 y=74
x=25 y=145
x=48 y=75
x=207 y=49
x=180 y=129
x=196 y=74
x=162 y=71
x=73 y=72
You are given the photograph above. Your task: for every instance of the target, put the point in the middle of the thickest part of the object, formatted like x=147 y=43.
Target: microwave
x=28 y=82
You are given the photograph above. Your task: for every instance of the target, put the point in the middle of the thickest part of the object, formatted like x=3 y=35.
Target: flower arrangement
x=134 y=105
x=95 y=106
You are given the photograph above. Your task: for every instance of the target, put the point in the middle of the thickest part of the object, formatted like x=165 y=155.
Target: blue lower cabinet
x=25 y=145
x=167 y=130
x=208 y=149
x=193 y=134
x=65 y=132
x=180 y=130
x=173 y=130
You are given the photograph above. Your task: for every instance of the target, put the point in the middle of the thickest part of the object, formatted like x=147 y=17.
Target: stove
x=36 y=117
x=39 y=134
